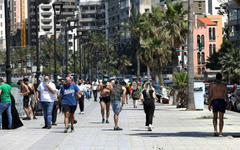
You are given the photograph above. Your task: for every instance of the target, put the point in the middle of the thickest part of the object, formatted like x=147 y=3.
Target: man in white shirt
x=83 y=90
x=94 y=88
x=47 y=91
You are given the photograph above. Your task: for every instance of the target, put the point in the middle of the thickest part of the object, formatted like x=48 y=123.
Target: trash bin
x=199 y=90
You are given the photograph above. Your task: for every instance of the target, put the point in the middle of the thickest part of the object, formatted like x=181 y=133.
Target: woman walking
x=135 y=94
x=148 y=97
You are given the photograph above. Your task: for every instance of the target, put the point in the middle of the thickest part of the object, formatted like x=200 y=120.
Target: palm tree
x=176 y=29
x=231 y=63
x=190 y=73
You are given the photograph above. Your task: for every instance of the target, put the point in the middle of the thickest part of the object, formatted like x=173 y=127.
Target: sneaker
x=66 y=130
x=82 y=112
x=220 y=135
x=49 y=127
x=54 y=124
x=107 y=121
x=117 y=129
x=45 y=127
x=150 y=127
x=216 y=133
x=72 y=128
x=27 y=118
x=34 y=117
x=103 y=120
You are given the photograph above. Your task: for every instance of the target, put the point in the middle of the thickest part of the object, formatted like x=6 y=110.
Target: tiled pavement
x=174 y=129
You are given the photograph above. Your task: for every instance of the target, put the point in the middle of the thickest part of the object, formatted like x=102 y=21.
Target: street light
x=8 y=66
x=57 y=7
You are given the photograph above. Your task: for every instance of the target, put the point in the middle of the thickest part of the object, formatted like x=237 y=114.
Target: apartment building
x=2 y=26
x=234 y=22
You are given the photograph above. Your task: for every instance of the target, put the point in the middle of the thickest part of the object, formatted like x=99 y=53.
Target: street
x=174 y=129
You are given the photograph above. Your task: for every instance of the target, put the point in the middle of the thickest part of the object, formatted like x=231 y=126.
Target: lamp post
x=57 y=7
x=8 y=66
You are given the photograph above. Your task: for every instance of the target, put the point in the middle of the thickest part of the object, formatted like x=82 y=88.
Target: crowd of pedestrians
x=65 y=97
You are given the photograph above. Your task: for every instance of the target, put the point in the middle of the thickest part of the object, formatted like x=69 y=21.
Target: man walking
x=83 y=90
x=218 y=101
x=47 y=91
x=5 y=102
x=32 y=95
x=68 y=97
x=117 y=97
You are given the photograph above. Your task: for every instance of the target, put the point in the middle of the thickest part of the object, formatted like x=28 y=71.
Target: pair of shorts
x=26 y=101
x=32 y=99
x=116 y=106
x=68 y=108
x=105 y=99
x=219 y=105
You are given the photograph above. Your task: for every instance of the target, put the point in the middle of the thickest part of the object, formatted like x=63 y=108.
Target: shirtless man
x=218 y=101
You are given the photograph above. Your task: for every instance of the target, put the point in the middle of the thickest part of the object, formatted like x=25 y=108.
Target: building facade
x=207 y=39
x=2 y=26
x=234 y=22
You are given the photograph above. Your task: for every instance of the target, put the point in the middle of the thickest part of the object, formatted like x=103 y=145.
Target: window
x=200 y=5
x=1 y=24
x=210 y=49
x=146 y=10
x=92 y=8
x=203 y=58
x=199 y=70
x=198 y=41
x=1 y=7
x=214 y=34
x=214 y=49
x=210 y=33
x=199 y=58
x=202 y=41
x=0 y=15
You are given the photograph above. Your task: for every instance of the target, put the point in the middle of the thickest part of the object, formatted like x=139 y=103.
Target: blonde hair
x=134 y=85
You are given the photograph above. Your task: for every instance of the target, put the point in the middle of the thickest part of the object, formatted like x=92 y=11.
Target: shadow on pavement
x=95 y=122
x=107 y=129
x=184 y=134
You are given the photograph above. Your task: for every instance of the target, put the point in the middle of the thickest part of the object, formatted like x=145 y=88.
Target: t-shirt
x=6 y=93
x=82 y=88
x=46 y=95
x=94 y=85
x=69 y=94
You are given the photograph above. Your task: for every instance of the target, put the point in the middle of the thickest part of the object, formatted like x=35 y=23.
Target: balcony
x=46 y=14
x=46 y=7
x=46 y=21
x=46 y=28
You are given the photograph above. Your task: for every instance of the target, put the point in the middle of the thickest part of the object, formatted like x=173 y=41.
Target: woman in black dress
x=16 y=122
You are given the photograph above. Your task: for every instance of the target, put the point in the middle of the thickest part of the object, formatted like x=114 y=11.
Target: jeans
x=149 y=108
x=6 y=106
x=116 y=106
x=47 y=108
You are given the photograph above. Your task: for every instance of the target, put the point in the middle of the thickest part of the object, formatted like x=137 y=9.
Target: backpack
x=136 y=94
x=31 y=91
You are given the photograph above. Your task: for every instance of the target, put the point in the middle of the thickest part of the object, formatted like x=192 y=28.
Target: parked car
x=234 y=100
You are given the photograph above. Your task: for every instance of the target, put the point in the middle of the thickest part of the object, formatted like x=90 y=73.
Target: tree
x=124 y=62
x=231 y=64
x=176 y=29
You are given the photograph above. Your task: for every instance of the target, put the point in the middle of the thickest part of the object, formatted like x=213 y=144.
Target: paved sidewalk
x=174 y=129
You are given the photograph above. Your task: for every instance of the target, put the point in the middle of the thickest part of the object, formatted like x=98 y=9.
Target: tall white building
x=2 y=26
x=212 y=8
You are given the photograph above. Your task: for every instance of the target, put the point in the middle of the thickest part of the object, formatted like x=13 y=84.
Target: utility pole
x=7 y=32
x=190 y=72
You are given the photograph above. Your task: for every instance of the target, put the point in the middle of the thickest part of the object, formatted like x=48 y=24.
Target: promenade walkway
x=174 y=129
